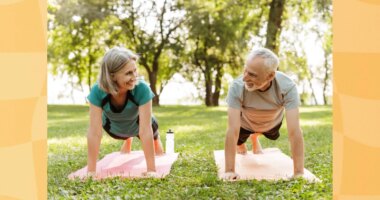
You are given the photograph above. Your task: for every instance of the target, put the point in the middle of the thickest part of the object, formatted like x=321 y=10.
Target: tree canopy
x=202 y=40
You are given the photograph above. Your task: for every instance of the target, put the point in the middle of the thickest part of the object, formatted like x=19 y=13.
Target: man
x=256 y=103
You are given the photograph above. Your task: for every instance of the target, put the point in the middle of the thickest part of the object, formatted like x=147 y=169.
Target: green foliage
x=202 y=40
x=199 y=131
x=217 y=40
x=81 y=31
x=152 y=30
x=76 y=38
x=303 y=19
x=302 y=10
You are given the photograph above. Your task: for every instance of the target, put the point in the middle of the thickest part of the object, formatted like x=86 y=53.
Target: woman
x=122 y=105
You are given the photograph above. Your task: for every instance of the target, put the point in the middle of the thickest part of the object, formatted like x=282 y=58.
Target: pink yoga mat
x=271 y=165
x=130 y=165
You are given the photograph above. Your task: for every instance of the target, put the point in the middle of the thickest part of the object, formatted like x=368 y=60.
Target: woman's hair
x=113 y=61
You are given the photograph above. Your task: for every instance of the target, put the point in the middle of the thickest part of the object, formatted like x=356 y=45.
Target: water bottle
x=169 y=142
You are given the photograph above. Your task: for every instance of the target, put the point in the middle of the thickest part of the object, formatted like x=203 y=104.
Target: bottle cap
x=170 y=131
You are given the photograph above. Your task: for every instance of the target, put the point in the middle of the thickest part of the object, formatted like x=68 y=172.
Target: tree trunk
x=326 y=78
x=89 y=76
x=218 y=85
x=274 y=25
x=208 y=87
x=153 y=80
x=302 y=95
x=312 y=91
x=90 y=60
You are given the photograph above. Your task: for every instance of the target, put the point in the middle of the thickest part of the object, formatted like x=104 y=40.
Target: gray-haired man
x=256 y=103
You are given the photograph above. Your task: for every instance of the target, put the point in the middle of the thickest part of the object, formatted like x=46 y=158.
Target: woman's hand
x=150 y=175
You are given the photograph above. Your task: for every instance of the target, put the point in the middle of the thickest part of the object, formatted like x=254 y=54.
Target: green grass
x=198 y=132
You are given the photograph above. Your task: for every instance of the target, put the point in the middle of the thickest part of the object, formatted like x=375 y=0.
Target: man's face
x=256 y=75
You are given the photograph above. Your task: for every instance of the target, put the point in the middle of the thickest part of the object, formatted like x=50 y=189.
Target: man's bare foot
x=158 y=147
x=127 y=146
x=256 y=146
x=241 y=149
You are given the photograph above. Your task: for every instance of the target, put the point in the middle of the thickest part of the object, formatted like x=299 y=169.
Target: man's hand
x=231 y=138
x=230 y=176
x=296 y=140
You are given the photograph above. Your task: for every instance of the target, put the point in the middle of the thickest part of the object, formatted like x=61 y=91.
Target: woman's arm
x=146 y=135
x=94 y=136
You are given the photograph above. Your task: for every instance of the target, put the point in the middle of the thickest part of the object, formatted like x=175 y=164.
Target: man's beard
x=250 y=89
x=254 y=87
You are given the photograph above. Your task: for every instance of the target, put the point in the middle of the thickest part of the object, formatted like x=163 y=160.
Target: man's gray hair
x=113 y=61
x=271 y=61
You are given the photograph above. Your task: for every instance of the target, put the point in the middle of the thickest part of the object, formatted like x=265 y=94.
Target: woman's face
x=126 y=77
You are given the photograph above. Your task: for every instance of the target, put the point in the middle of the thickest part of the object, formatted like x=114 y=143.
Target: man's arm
x=296 y=140
x=231 y=140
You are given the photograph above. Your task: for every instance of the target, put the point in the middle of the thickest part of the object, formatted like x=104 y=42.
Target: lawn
x=198 y=131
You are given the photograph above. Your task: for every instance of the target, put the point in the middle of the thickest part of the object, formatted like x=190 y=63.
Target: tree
x=302 y=20
x=324 y=14
x=274 y=24
x=76 y=34
x=204 y=39
x=327 y=64
x=218 y=36
x=152 y=30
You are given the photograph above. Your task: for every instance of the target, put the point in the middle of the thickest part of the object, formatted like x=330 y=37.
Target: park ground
x=199 y=130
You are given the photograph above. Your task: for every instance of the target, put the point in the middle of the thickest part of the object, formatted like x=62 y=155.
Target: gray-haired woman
x=122 y=106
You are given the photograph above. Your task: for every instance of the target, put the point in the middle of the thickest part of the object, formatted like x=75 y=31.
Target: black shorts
x=107 y=128
x=272 y=134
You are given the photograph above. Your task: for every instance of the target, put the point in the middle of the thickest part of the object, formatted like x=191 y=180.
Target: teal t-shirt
x=124 y=122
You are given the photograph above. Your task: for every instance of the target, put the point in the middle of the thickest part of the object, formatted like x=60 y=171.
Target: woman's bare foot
x=241 y=149
x=158 y=147
x=256 y=146
x=127 y=146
